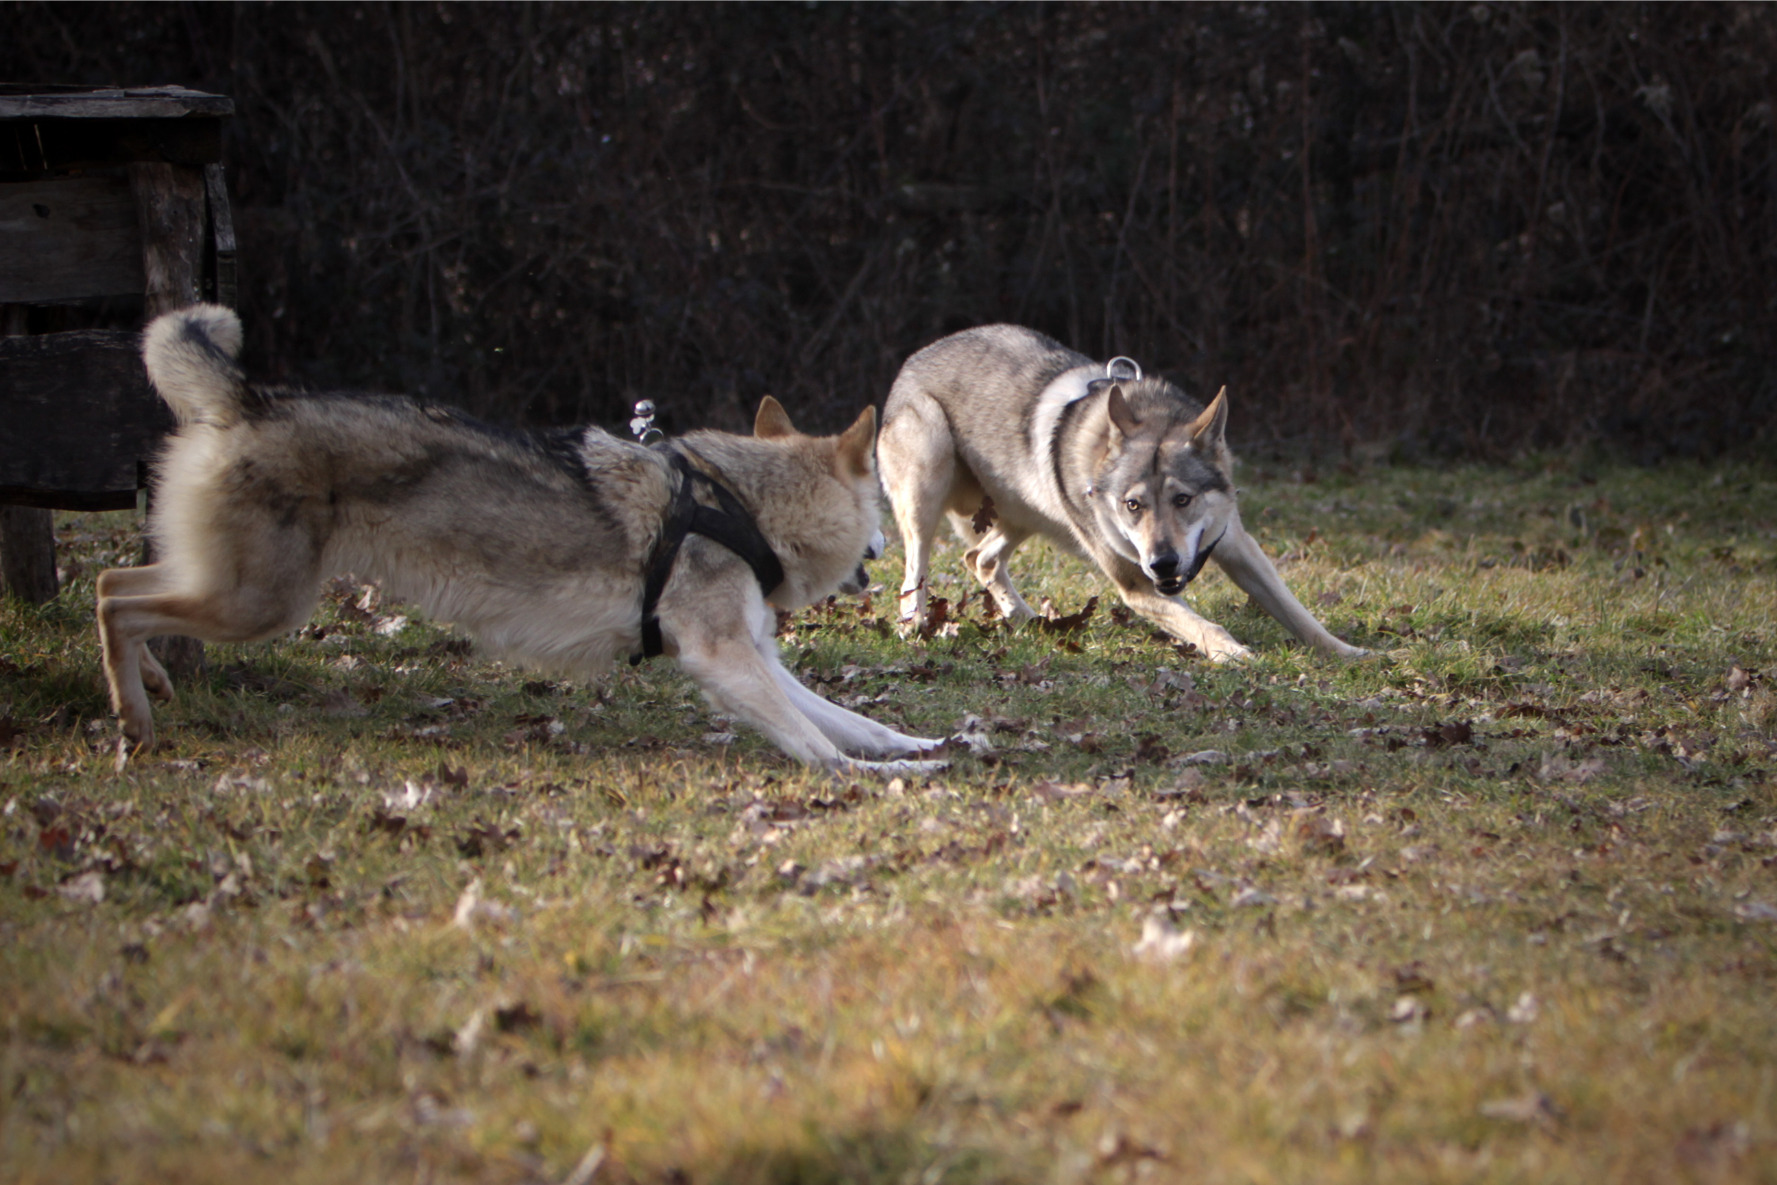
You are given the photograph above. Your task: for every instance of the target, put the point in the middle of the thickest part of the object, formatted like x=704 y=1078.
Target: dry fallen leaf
x=465 y=1039
x=88 y=888
x=1408 y=1008
x=1116 y=1148
x=464 y=916
x=1068 y=623
x=1060 y=792
x=1161 y=941
x=410 y=797
x=1321 y=835
x=1412 y=977
x=1535 y=1107
x=1559 y=767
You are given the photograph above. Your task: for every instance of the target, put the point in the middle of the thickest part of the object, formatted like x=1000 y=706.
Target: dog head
x=820 y=505
x=1164 y=491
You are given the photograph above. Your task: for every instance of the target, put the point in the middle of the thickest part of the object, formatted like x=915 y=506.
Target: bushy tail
x=190 y=357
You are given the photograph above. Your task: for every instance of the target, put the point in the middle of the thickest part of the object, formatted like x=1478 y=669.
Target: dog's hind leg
x=987 y=560
x=127 y=621
x=917 y=460
x=1251 y=569
x=136 y=582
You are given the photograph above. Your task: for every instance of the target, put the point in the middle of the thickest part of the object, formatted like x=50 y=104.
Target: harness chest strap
x=1203 y=557
x=730 y=525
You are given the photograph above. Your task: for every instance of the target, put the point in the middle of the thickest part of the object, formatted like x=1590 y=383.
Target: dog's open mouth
x=1171 y=586
x=856 y=583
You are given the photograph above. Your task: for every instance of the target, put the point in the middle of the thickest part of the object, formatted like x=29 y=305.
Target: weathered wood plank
x=28 y=554
x=79 y=416
x=170 y=204
x=69 y=238
x=155 y=102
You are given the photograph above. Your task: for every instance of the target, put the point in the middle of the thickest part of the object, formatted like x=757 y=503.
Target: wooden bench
x=112 y=208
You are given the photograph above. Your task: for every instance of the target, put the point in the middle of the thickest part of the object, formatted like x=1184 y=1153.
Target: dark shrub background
x=1419 y=230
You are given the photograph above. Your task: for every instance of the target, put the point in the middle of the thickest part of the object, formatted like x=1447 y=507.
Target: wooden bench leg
x=27 y=534
x=28 y=554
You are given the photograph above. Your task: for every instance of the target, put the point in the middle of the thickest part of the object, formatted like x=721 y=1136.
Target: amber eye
x=1132 y=505
x=1181 y=500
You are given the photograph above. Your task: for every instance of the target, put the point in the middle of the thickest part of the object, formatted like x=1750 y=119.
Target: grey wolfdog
x=1012 y=435
x=548 y=548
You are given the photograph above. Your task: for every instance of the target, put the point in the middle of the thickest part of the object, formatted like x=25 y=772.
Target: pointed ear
x=1206 y=430
x=772 y=419
x=1118 y=409
x=855 y=456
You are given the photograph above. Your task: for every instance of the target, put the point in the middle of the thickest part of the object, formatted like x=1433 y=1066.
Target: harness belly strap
x=730 y=525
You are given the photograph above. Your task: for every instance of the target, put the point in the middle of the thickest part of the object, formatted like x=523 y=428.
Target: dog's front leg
x=845 y=728
x=1170 y=613
x=729 y=669
x=1251 y=569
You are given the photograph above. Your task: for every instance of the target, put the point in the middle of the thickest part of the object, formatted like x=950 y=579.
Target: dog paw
x=1228 y=652
x=136 y=731
x=129 y=746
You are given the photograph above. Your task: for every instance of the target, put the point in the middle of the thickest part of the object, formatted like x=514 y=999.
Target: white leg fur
x=136 y=604
x=136 y=582
x=125 y=624
x=846 y=729
x=1170 y=613
x=733 y=658
x=737 y=680
x=1253 y=573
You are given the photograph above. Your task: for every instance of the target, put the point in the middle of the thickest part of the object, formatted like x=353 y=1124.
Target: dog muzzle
x=858 y=581
x=1168 y=576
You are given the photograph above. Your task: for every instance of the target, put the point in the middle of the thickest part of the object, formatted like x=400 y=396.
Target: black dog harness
x=727 y=523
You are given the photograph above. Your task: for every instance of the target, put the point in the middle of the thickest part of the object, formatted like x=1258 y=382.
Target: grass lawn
x=1498 y=904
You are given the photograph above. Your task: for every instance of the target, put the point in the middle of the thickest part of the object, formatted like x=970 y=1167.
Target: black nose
x=1165 y=566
